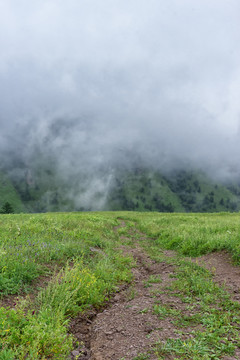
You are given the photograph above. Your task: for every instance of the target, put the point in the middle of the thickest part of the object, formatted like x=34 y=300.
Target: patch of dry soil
x=225 y=273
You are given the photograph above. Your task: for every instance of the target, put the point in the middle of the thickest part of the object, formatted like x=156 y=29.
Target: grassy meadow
x=80 y=256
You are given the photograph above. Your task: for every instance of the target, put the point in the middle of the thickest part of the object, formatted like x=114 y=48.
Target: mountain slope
x=187 y=191
x=143 y=191
x=42 y=189
x=8 y=193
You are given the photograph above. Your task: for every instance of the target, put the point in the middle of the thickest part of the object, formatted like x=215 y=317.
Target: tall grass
x=192 y=234
x=89 y=269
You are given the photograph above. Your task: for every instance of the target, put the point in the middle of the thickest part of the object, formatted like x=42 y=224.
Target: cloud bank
x=97 y=85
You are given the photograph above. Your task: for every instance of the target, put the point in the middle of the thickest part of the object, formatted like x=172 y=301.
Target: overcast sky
x=160 y=78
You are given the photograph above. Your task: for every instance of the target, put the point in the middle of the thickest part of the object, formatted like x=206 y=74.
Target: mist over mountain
x=90 y=91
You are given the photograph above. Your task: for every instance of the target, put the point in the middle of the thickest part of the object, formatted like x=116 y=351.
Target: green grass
x=29 y=243
x=82 y=254
x=153 y=279
x=83 y=250
x=192 y=234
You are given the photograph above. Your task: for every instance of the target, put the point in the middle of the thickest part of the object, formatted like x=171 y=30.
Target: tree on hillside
x=7 y=208
x=221 y=202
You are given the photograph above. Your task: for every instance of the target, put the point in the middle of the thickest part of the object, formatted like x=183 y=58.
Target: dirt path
x=225 y=273
x=128 y=327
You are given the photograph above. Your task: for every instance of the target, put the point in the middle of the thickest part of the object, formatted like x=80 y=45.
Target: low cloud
x=96 y=87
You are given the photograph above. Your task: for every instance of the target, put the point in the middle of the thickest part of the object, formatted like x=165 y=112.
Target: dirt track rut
x=128 y=326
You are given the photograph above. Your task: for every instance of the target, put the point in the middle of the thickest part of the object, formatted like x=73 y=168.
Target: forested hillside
x=186 y=191
x=41 y=190
x=9 y=195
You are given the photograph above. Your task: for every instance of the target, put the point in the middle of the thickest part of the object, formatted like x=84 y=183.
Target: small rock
x=134 y=308
x=148 y=329
x=108 y=332
x=117 y=297
x=75 y=353
x=98 y=356
x=120 y=329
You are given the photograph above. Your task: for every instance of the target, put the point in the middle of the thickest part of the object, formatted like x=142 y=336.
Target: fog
x=97 y=85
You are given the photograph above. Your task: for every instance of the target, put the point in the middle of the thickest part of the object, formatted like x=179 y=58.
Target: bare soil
x=225 y=272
